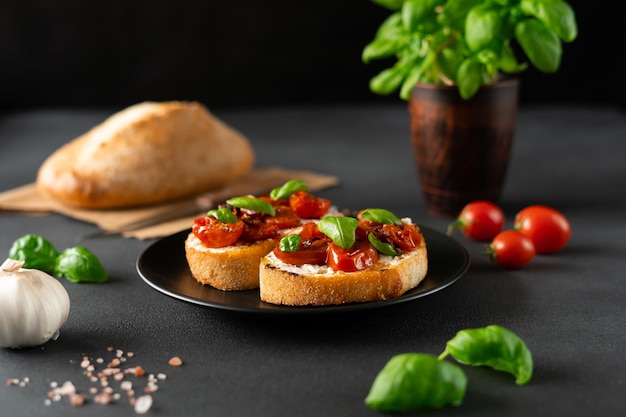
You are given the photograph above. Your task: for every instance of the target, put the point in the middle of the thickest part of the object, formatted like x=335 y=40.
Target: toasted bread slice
x=281 y=283
x=231 y=268
x=148 y=153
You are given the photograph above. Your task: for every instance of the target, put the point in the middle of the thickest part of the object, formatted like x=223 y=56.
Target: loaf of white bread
x=151 y=152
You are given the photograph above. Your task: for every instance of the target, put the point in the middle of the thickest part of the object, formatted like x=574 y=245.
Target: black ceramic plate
x=164 y=267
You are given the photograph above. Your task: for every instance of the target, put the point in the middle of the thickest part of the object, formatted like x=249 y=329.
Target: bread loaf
x=148 y=153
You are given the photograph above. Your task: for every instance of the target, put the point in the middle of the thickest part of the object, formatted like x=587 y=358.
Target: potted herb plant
x=455 y=61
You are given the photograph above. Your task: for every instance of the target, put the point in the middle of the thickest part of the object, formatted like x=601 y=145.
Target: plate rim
x=282 y=310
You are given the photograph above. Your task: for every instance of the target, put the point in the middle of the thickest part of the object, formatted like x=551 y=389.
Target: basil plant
x=467 y=43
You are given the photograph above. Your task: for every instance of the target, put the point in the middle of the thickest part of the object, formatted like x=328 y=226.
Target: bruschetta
x=224 y=247
x=340 y=259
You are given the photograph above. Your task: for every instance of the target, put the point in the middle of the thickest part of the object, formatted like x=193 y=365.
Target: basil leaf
x=389 y=39
x=390 y=4
x=495 y=347
x=35 y=251
x=388 y=80
x=341 y=230
x=412 y=381
x=288 y=188
x=78 y=264
x=557 y=15
x=377 y=215
x=382 y=247
x=290 y=243
x=541 y=45
x=508 y=61
x=223 y=214
x=449 y=61
x=412 y=78
x=252 y=203
x=481 y=27
x=469 y=77
x=455 y=11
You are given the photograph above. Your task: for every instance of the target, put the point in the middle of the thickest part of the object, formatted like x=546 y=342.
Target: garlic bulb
x=33 y=306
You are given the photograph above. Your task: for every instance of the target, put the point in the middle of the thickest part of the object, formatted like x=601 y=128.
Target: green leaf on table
x=35 y=251
x=494 y=347
x=79 y=264
x=412 y=381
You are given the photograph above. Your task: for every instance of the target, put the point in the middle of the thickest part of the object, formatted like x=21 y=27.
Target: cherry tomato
x=479 y=220
x=308 y=206
x=548 y=229
x=256 y=230
x=285 y=218
x=308 y=231
x=312 y=251
x=511 y=249
x=405 y=237
x=360 y=256
x=215 y=234
x=313 y=247
x=275 y=203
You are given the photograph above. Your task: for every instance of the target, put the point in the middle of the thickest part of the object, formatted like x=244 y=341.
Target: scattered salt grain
x=143 y=404
x=175 y=361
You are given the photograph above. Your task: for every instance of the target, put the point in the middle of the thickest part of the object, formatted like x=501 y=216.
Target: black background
x=71 y=53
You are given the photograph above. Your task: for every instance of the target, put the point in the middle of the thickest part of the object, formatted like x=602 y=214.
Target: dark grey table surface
x=569 y=307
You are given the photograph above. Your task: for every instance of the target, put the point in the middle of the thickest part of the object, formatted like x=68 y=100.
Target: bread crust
x=232 y=268
x=288 y=285
x=148 y=153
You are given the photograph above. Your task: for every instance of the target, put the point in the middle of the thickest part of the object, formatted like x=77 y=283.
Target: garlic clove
x=33 y=306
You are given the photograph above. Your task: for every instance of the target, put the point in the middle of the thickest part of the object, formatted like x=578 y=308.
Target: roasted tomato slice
x=256 y=229
x=259 y=226
x=309 y=231
x=275 y=203
x=312 y=247
x=312 y=251
x=360 y=256
x=215 y=234
x=405 y=237
x=308 y=206
x=285 y=217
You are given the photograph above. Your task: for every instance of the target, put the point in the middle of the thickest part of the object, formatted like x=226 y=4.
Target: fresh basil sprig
x=412 y=381
x=290 y=243
x=35 y=251
x=223 y=214
x=382 y=247
x=495 y=347
x=340 y=229
x=378 y=215
x=466 y=43
x=252 y=203
x=288 y=188
x=78 y=264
